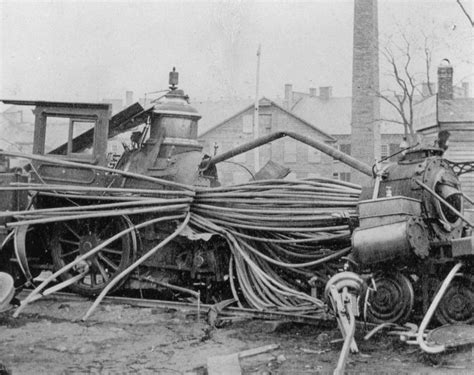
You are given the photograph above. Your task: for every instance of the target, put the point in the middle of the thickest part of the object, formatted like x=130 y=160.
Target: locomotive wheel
x=456 y=306
x=71 y=239
x=391 y=302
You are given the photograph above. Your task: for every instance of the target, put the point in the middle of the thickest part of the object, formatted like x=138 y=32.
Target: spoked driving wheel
x=72 y=239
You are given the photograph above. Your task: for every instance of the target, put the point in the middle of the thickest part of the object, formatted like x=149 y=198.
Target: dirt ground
x=48 y=338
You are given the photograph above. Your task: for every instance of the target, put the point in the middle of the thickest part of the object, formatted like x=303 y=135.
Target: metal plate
x=452 y=335
x=6 y=290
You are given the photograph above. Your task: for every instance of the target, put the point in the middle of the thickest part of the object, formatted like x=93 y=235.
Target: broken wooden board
x=229 y=364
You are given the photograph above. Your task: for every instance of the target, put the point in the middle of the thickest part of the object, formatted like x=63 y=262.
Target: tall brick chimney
x=445 y=80
x=365 y=128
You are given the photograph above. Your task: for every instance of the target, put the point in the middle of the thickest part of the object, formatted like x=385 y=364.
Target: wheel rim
x=72 y=239
x=457 y=303
x=392 y=301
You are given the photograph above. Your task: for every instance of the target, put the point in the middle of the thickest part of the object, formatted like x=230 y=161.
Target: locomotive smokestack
x=173 y=80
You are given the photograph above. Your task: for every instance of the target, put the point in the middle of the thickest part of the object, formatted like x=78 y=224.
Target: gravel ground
x=48 y=338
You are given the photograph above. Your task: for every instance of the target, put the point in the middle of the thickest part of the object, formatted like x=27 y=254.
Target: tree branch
x=465 y=12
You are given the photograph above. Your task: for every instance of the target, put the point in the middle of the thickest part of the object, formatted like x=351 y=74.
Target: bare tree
x=406 y=88
x=407 y=61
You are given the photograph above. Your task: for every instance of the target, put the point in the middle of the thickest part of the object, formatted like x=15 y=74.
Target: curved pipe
x=130 y=268
x=31 y=297
x=66 y=163
x=321 y=146
x=426 y=319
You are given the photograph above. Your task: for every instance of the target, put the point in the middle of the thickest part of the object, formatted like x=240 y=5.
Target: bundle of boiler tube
x=281 y=234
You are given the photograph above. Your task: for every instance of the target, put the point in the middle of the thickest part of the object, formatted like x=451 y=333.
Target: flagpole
x=256 y=162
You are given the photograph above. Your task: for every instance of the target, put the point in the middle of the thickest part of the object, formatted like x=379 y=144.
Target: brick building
x=218 y=135
x=452 y=110
x=334 y=114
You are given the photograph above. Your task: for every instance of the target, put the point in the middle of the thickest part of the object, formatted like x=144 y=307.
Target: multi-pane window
x=61 y=131
x=345 y=148
x=384 y=151
x=265 y=123
x=393 y=148
x=343 y=176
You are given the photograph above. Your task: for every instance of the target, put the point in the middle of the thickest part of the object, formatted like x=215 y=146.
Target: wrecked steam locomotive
x=408 y=232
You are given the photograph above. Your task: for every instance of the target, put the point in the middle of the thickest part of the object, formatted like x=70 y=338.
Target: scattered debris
x=7 y=291
x=229 y=364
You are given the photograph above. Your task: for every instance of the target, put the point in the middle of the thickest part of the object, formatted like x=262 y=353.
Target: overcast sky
x=88 y=50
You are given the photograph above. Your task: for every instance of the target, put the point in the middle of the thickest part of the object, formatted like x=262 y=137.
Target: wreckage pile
x=279 y=233
x=282 y=234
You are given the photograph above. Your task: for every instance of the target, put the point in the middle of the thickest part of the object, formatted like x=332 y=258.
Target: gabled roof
x=216 y=112
x=425 y=115
x=334 y=115
x=265 y=101
x=456 y=110
x=431 y=111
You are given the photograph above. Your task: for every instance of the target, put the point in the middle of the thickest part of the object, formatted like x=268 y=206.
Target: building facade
x=450 y=110
x=302 y=160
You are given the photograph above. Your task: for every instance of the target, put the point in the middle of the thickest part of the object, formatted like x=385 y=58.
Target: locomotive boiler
x=161 y=164
x=412 y=231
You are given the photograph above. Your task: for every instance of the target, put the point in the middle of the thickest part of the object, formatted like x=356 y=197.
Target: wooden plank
x=229 y=364
x=256 y=351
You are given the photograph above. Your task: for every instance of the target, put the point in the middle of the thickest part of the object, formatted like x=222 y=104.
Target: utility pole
x=255 y=114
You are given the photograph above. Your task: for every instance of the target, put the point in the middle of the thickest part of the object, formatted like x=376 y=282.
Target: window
x=314 y=156
x=78 y=127
x=343 y=176
x=265 y=123
x=247 y=124
x=384 y=151
x=60 y=133
x=289 y=151
x=57 y=133
x=345 y=148
x=394 y=148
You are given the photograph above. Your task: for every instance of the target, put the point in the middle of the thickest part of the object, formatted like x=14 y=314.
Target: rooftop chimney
x=467 y=89
x=288 y=91
x=325 y=92
x=312 y=92
x=128 y=98
x=288 y=95
x=445 y=80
